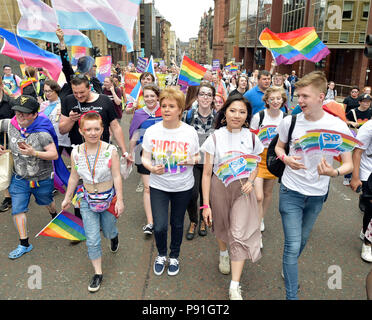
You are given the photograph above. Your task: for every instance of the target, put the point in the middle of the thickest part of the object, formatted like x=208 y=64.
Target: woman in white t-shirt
x=265 y=123
x=170 y=149
x=228 y=199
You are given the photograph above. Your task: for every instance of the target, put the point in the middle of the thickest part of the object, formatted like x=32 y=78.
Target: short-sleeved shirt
x=103 y=105
x=254 y=96
x=361 y=116
x=365 y=136
x=308 y=182
x=350 y=103
x=29 y=167
x=168 y=147
x=229 y=144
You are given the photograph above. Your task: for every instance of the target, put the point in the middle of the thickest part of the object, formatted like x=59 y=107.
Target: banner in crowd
x=161 y=80
x=141 y=64
x=289 y=47
x=39 y=21
x=130 y=81
x=27 y=52
x=103 y=67
x=76 y=53
x=115 y=18
x=215 y=65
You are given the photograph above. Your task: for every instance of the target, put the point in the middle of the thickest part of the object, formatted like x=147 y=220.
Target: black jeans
x=159 y=205
x=366 y=198
x=192 y=208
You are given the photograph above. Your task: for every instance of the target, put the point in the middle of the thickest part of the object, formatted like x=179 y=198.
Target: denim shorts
x=20 y=192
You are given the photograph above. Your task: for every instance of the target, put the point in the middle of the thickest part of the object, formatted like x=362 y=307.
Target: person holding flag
x=101 y=197
x=231 y=208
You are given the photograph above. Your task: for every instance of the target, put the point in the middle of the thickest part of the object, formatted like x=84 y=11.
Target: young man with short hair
x=255 y=95
x=305 y=180
x=11 y=81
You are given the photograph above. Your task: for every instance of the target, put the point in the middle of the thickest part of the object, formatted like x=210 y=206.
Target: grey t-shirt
x=28 y=167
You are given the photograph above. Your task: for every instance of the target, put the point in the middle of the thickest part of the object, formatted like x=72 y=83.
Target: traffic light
x=96 y=52
x=368 y=50
x=258 y=57
x=48 y=46
x=55 y=48
x=52 y=47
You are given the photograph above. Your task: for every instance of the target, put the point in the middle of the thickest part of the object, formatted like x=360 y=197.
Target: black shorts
x=142 y=170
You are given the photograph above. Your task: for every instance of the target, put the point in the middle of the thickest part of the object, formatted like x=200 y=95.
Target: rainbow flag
x=65 y=226
x=235 y=165
x=234 y=68
x=289 y=47
x=191 y=73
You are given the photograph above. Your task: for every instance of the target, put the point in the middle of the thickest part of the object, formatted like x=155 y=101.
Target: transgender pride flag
x=39 y=21
x=114 y=17
x=29 y=53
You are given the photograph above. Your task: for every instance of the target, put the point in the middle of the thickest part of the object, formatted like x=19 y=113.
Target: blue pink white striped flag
x=39 y=21
x=29 y=53
x=114 y=17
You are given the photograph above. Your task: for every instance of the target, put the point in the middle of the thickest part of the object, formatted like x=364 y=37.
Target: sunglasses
x=79 y=76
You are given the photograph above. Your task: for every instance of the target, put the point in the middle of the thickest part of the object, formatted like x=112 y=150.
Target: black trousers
x=193 y=208
x=366 y=198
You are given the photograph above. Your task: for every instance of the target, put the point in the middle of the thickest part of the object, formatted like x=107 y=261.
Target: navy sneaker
x=174 y=267
x=159 y=265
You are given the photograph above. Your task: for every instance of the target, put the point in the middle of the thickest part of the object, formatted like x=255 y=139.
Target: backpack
x=262 y=116
x=275 y=165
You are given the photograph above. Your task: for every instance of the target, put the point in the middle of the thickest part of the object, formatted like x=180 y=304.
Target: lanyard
x=92 y=172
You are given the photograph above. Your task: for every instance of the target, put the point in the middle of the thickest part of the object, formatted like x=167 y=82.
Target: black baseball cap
x=365 y=96
x=26 y=104
x=84 y=64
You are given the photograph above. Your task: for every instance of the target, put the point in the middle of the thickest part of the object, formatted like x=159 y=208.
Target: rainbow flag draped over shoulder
x=289 y=47
x=191 y=73
x=65 y=226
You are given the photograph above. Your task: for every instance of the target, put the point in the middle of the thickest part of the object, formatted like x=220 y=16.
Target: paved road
x=66 y=270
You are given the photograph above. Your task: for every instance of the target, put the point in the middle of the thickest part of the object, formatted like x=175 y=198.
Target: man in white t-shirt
x=305 y=181
x=362 y=159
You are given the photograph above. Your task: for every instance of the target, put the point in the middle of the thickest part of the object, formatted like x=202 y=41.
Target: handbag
x=275 y=165
x=6 y=167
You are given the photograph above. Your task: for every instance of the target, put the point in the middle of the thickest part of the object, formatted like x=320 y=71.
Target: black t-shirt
x=351 y=103
x=362 y=116
x=103 y=105
x=234 y=92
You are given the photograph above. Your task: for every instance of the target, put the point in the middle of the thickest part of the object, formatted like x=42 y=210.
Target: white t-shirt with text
x=365 y=136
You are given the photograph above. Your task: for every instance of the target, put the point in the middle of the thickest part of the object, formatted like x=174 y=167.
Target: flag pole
x=183 y=55
x=49 y=223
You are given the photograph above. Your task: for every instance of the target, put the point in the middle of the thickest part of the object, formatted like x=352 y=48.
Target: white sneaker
x=361 y=235
x=346 y=182
x=235 y=293
x=224 y=265
x=366 y=254
x=262 y=225
x=261 y=244
x=139 y=187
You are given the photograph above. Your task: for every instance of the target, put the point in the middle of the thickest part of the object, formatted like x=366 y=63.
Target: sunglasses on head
x=79 y=76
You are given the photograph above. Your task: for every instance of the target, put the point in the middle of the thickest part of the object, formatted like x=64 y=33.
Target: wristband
x=36 y=154
x=281 y=157
x=252 y=182
x=125 y=154
x=206 y=206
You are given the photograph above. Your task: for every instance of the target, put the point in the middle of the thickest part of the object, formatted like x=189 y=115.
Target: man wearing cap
x=84 y=66
x=358 y=116
x=32 y=143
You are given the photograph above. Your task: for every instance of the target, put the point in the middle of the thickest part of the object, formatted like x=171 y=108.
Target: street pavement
x=330 y=267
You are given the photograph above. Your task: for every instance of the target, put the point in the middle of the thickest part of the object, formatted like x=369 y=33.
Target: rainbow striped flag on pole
x=191 y=73
x=289 y=47
x=65 y=226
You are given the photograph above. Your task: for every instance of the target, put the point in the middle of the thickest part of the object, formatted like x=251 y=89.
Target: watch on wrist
x=125 y=154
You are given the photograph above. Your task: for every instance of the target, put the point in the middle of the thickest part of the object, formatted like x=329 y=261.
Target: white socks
x=224 y=253
x=234 y=284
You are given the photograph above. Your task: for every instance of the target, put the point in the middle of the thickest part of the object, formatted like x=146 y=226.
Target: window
x=365 y=11
x=348 y=10
x=362 y=37
x=325 y=37
x=344 y=37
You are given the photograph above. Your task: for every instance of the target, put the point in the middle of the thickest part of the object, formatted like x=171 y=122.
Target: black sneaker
x=114 y=244
x=148 y=229
x=95 y=284
x=6 y=204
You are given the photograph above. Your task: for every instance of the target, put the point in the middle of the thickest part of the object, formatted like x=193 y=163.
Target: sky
x=184 y=15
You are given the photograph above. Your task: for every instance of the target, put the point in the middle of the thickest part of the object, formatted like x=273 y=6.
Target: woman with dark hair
x=143 y=119
x=202 y=119
x=145 y=78
x=232 y=207
x=114 y=93
x=191 y=96
x=51 y=108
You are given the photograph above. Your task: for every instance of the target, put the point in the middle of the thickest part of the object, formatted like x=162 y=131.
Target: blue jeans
x=93 y=221
x=159 y=206
x=299 y=213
